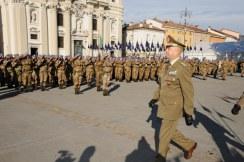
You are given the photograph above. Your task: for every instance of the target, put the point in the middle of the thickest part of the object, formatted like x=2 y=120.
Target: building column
x=44 y=31
x=67 y=32
x=5 y=30
x=52 y=29
x=12 y=28
x=90 y=31
x=119 y=30
x=99 y=30
x=22 y=34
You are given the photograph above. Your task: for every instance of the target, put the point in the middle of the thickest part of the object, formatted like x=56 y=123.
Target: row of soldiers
x=26 y=72
x=216 y=68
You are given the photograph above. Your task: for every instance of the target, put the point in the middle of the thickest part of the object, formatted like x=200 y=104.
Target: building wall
x=199 y=39
x=143 y=35
x=33 y=26
x=213 y=39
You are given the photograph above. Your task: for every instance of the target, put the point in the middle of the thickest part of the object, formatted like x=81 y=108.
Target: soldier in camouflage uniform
x=43 y=72
x=89 y=71
x=68 y=70
x=8 y=71
x=232 y=66
x=238 y=106
x=120 y=68
x=242 y=69
x=224 y=69
x=127 y=69
x=116 y=65
x=147 y=69
x=60 y=66
x=27 y=68
x=107 y=68
x=141 y=69
x=78 y=70
x=2 y=79
x=17 y=67
x=35 y=73
x=204 y=68
x=99 y=73
x=51 y=71
x=135 y=70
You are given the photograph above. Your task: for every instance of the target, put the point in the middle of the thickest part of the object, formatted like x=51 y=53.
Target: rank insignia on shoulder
x=182 y=63
x=172 y=72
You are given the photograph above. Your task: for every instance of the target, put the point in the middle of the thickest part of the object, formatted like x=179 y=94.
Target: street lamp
x=185 y=14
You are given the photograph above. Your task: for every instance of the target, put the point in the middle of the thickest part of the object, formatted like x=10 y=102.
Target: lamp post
x=185 y=14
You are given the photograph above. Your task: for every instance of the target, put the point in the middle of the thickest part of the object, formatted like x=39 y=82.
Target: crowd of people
x=28 y=73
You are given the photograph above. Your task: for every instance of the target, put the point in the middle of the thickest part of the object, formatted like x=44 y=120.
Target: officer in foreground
x=175 y=97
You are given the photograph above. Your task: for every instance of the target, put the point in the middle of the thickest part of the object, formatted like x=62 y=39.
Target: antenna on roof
x=185 y=14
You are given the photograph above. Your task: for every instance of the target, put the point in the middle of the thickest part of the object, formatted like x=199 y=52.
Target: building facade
x=143 y=34
x=218 y=36
x=60 y=27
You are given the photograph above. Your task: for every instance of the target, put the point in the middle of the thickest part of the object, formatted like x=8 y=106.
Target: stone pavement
x=58 y=126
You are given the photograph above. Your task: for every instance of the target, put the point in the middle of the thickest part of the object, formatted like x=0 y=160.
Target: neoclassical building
x=59 y=27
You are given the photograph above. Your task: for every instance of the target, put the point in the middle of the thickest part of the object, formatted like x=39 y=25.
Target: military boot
x=42 y=87
x=76 y=91
x=105 y=92
x=99 y=89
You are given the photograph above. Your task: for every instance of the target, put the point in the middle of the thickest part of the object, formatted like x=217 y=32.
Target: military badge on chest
x=170 y=76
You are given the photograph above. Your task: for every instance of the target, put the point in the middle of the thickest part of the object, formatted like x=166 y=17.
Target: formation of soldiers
x=217 y=69
x=28 y=73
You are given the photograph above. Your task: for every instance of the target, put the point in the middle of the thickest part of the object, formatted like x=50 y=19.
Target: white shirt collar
x=173 y=61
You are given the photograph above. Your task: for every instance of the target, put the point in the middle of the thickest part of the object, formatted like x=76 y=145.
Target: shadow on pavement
x=143 y=153
x=9 y=93
x=66 y=156
x=115 y=87
x=93 y=85
x=220 y=135
x=156 y=124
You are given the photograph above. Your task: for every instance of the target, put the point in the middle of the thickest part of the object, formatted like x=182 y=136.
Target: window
x=60 y=19
x=94 y=43
x=60 y=42
x=94 y=24
x=34 y=36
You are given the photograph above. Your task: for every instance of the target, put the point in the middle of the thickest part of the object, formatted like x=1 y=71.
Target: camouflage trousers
x=127 y=74
x=153 y=73
x=43 y=78
x=26 y=78
x=106 y=80
x=99 y=78
x=147 y=73
x=141 y=73
x=77 y=78
x=89 y=75
x=134 y=74
x=61 y=77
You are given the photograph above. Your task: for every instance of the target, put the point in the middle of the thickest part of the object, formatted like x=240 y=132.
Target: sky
x=217 y=14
